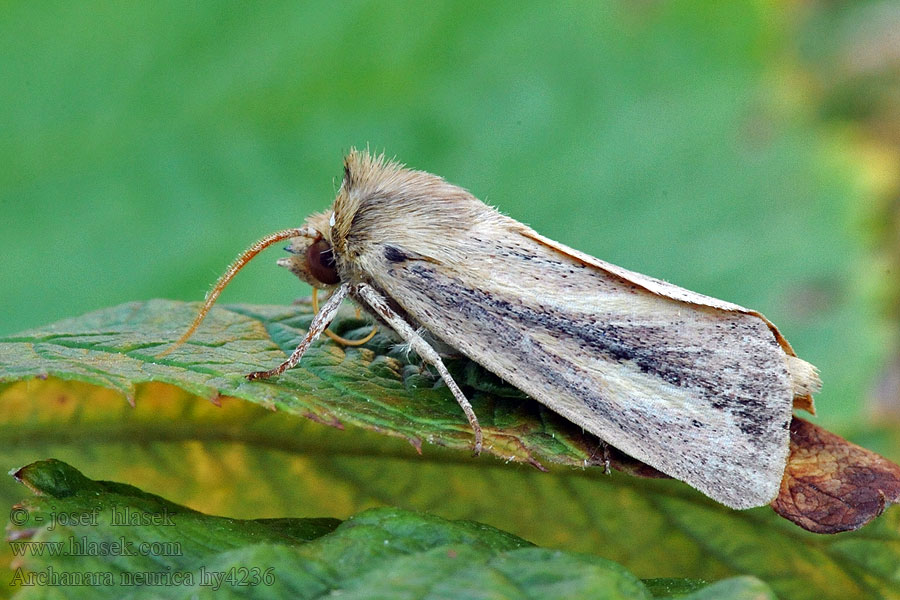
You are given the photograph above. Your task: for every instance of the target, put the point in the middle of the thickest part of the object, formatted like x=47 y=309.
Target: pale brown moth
x=699 y=388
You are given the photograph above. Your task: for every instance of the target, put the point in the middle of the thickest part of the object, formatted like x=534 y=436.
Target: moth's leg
x=606 y=459
x=319 y=324
x=423 y=349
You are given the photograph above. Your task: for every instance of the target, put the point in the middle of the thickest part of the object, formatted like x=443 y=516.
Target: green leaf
x=239 y=458
x=736 y=588
x=118 y=535
x=373 y=387
x=677 y=588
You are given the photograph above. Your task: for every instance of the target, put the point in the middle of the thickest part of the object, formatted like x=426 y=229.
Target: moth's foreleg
x=423 y=349
x=319 y=324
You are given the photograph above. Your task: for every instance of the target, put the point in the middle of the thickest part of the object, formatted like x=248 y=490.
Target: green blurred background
x=743 y=150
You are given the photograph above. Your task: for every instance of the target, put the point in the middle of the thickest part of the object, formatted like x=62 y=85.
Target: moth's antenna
x=238 y=264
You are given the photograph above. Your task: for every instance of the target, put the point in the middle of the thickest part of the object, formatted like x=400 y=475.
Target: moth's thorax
x=381 y=205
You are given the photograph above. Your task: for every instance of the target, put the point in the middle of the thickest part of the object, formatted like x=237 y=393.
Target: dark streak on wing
x=648 y=347
x=395 y=255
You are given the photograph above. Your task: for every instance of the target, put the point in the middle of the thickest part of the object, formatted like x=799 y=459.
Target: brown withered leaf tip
x=831 y=485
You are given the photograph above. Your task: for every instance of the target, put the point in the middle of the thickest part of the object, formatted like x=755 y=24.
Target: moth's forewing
x=698 y=389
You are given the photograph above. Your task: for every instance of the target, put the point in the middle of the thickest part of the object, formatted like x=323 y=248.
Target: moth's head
x=378 y=199
x=312 y=257
x=315 y=258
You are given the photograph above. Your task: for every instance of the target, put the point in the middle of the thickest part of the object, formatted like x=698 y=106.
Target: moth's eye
x=320 y=262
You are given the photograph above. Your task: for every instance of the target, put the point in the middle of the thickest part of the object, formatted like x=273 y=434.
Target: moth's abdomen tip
x=804 y=377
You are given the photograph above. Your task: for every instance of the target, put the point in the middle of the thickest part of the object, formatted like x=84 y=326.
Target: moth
x=699 y=388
